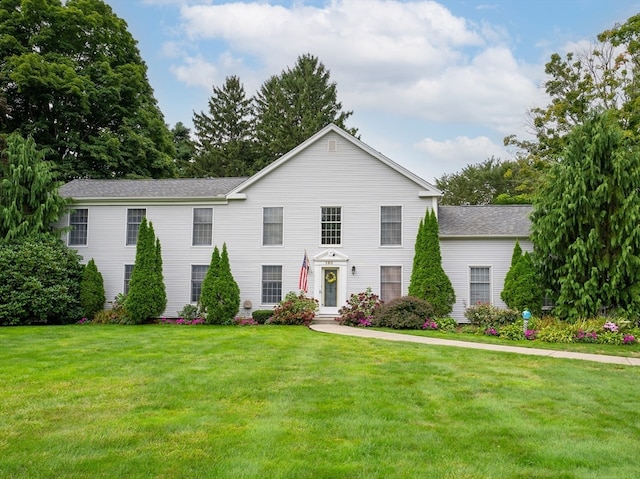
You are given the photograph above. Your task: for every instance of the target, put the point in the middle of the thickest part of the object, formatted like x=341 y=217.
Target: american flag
x=304 y=273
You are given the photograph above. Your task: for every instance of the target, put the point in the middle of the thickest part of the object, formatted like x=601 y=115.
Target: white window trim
x=401 y=228
x=282 y=288
x=262 y=227
x=193 y=225
x=491 y=282
x=342 y=223
x=86 y=244
x=126 y=223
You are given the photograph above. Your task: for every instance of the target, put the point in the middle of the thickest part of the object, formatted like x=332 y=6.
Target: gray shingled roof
x=168 y=188
x=500 y=220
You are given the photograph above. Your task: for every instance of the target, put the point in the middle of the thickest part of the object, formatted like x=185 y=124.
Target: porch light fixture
x=353 y=270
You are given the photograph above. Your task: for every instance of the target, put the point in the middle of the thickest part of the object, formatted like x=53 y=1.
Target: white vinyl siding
x=79 y=222
x=202 y=226
x=271 y=284
x=272 y=226
x=198 y=272
x=479 y=285
x=390 y=282
x=134 y=219
x=391 y=225
x=331 y=226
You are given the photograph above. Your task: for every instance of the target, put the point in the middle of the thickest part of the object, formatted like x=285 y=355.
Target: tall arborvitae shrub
x=220 y=296
x=92 y=295
x=522 y=286
x=146 y=298
x=208 y=291
x=428 y=279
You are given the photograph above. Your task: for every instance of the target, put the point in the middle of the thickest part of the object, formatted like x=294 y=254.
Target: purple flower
x=609 y=326
x=628 y=339
x=491 y=332
x=530 y=334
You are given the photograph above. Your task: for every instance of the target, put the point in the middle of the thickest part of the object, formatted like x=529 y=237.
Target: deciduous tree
x=73 y=79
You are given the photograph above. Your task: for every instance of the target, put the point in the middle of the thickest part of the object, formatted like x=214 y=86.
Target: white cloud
x=196 y=71
x=452 y=155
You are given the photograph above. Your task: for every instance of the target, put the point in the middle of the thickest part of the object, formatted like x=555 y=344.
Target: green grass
x=286 y=402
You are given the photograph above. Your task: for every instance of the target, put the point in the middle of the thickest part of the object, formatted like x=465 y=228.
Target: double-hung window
x=390 y=282
x=391 y=225
x=272 y=226
x=479 y=285
x=198 y=272
x=202 y=226
x=331 y=226
x=134 y=219
x=78 y=221
x=128 y=271
x=271 y=284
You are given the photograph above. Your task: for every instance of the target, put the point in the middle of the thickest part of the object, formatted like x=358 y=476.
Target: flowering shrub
x=491 y=332
x=182 y=321
x=430 y=324
x=530 y=334
x=486 y=315
x=586 y=336
x=359 y=309
x=246 y=322
x=294 y=309
x=611 y=327
x=628 y=339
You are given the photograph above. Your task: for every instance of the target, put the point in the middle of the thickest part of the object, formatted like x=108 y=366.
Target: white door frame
x=335 y=260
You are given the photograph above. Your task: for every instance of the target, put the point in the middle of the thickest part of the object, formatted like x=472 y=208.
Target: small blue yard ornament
x=526 y=315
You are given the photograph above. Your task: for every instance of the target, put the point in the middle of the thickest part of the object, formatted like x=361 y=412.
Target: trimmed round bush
x=261 y=316
x=406 y=312
x=39 y=282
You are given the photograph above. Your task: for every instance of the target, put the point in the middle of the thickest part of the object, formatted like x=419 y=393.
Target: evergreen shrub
x=39 y=282
x=261 y=316
x=92 y=295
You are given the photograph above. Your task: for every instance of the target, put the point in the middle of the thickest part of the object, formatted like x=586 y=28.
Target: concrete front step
x=324 y=320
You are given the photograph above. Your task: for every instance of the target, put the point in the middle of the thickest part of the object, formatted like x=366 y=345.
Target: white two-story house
x=351 y=210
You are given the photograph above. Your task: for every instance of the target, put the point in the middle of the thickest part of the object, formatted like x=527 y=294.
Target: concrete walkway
x=369 y=333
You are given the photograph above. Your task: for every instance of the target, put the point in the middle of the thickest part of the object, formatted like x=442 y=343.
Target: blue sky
x=434 y=85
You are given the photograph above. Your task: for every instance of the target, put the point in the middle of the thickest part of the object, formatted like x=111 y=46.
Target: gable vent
x=332 y=145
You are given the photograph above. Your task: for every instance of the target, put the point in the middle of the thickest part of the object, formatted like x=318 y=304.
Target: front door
x=330 y=287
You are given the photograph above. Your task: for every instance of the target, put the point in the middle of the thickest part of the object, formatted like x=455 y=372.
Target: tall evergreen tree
x=522 y=287
x=428 y=279
x=294 y=105
x=225 y=136
x=146 y=298
x=92 y=294
x=584 y=224
x=220 y=296
x=72 y=77
x=29 y=199
x=185 y=150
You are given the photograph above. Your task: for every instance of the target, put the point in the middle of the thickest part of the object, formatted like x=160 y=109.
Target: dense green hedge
x=39 y=282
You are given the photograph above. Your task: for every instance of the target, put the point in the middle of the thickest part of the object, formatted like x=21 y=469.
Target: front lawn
x=285 y=402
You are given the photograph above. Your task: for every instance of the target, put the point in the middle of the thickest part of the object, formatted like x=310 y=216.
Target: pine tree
x=428 y=279
x=92 y=295
x=584 y=224
x=29 y=199
x=147 y=297
x=225 y=136
x=294 y=105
